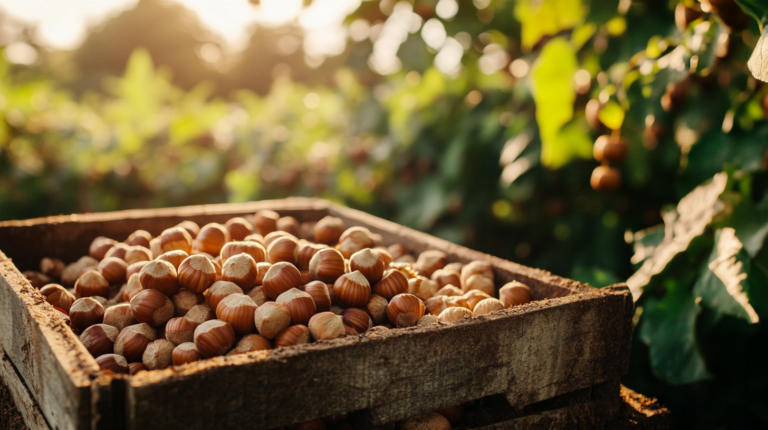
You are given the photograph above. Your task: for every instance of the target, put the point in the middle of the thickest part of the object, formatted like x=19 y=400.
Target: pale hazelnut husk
x=241 y=270
x=404 y=310
x=271 y=318
x=479 y=282
x=237 y=310
x=218 y=291
x=37 y=279
x=99 y=339
x=326 y=265
x=257 y=295
x=134 y=268
x=328 y=230
x=100 y=246
x=72 y=272
x=185 y=353
x=191 y=227
x=133 y=340
x=352 y=290
x=393 y=282
x=85 y=312
x=139 y=237
x=137 y=253
x=119 y=316
x=175 y=257
x=450 y=291
x=293 y=335
x=445 y=277
x=118 y=251
x=336 y=309
x=422 y=287
x=459 y=301
x=197 y=273
x=487 y=306
x=113 y=363
x=357 y=318
x=429 y=261
x=261 y=272
x=479 y=268
x=265 y=222
x=280 y=278
x=435 y=305
x=320 y=294
x=427 y=319
x=300 y=305
x=428 y=421
x=51 y=267
x=454 y=314
x=254 y=249
x=159 y=275
x=90 y=284
x=239 y=228
x=307 y=250
x=200 y=314
x=152 y=307
x=250 y=343
x=113 y=269
x=135 y=368
x=214 y=338
x=377 y=309
x=326 y=326
x=58 y=296
x=184 y=300
x=211 y=239
x=176 y=238
x=369 y=263
x=180 y=330
x=355 y=239
x=474 y=297
x=515 y=293
x=284 y=249
x=158 y=354
x=132 y=287
x=289 y=224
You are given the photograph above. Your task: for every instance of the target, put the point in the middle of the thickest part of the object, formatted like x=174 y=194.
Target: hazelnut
x=261 y=271
x=238 y=228
x=64 y=316
x=72 y=272
x=58 y=296
x=135 y=368
x=454 y=314
x=271 y=318
x=357 y=318
x=328 y=230
x=429 y=261
x=515 y=293
x=211 y=239
x=119 y=316
x=288 y=224
x=428 y=421
x=354 y=239
x=113 y=269
x=155 y=247
x=185 y=353
x=450 y=291
x=397 y=250
x=385 y=256
x=51 y=267
x=307 y=250
x=184 y=300
x=255 y=238
x=197 y=273
x=214 y=338
x=445 y=277
x=293 y=335
x=451 y=413
x=191 y=227
x=349 y=330
x=237 y=310
x=90 y=284
x=320 y=294
x=422 y=287
x=326 y=265
x=137 y=253
x=250 y=343
x=271 y=237
x=454 y=266
x=133 y=340
x=175 y=257
x=352 y=290
x=176 y=238
x=139 y=237
x=280 y=278
x=200 y=314
x=377 y=309
x=427 y=319
x=300 y=305
x=257 y=295
x=404 y=310
x=114 y=363
x=85 y=312
x=284 y=249
x=306 y=278
x=152 y=307
x=219 y=290
x=37 y=279
x=326 y=326
x=307 y=230
x=255 y=250
x=102 y=301
x=100 y=246
x=158 y=354
x=336 y=309
x=474 y=297
x=476 y=267
x=479 y=282
x=459 y=301
x=132 y=287
x=181 y=329
x=99 y=339
x=241 y=270
x=118 y=251
x=393 y=282
x=265 y=221
x=369 y=263
x=134 y=268
x=487 y=306
x=407 y=259
x=159 y=275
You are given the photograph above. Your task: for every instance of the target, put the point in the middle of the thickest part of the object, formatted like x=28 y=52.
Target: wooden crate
x=573 y=337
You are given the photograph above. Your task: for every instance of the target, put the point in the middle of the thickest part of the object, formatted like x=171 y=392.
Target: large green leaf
x=757 y=8
x=668 y=328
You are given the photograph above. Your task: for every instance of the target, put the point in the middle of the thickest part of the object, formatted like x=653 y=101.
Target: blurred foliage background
x=471 y=120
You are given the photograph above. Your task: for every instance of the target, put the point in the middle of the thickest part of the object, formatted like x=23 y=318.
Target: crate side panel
x=22 y=400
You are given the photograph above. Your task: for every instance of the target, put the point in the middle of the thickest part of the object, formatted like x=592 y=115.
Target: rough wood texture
x=20 y=411
x=574 y=337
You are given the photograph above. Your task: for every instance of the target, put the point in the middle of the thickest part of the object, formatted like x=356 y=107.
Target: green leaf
x=644 y=243
x=612 y=115
x=546 y=18
x=751 y=224
x=668 y=328
x=757 y=8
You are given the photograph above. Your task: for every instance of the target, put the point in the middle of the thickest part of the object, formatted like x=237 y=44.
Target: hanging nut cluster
x=251 y=285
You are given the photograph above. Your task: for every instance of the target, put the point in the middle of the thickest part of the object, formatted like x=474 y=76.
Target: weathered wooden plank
x=22 y=399
x=53 y=364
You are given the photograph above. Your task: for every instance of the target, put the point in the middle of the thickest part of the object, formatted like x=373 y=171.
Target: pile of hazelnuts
x=192 y=293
